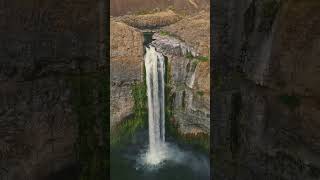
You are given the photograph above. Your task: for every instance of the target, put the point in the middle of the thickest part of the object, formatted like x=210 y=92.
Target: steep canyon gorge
x=264 y=104
x=185 y=44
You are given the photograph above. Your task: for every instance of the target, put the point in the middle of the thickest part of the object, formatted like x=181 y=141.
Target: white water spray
x=154 y=63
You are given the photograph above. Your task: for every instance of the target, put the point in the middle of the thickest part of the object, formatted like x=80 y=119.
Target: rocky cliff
x=122 y=7
x=126 y=69
x=150 y=21
x=188 y=63
x=188 y=70
x=46 y=63
x=266 y=106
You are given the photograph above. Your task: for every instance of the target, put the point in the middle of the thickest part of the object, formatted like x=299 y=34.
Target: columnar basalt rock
x=188 y=65
x=190 y=80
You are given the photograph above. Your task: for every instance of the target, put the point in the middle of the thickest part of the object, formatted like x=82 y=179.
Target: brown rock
x=126 y=68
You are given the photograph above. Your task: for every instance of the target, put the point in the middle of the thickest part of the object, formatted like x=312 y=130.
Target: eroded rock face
x=190 y=82
x=266 y=109
x=151 y=21
x=126 y=68
x=122 y=7
x=194 y=30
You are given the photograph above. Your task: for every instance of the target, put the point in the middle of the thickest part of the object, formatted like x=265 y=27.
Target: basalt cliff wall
x=188 y=65
x=266 y=89
x=51 y=52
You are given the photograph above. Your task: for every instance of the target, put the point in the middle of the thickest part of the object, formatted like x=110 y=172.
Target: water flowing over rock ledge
x=189 y=84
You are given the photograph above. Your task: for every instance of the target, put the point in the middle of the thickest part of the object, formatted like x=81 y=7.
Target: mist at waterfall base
x=150 y=153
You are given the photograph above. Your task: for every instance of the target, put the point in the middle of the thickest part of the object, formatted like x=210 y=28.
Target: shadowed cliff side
x=266 y=109
x=47 y=123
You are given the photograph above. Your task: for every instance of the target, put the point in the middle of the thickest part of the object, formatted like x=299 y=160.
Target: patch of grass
x=164 y=33
x=189 y=55
x=126 y=129
x=139 y=94
x=144 y=12
x=292 y=101
x=200 y=93
x=202 y=58
x=199 y=58
x=167 y=33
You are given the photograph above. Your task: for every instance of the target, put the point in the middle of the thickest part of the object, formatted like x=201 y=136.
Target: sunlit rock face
x=122 y=7
x=126 y=68
x=189 y=76
x=266 y=110
x=151 y=21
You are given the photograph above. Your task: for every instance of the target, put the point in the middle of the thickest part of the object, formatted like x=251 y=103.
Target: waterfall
x=154 y=64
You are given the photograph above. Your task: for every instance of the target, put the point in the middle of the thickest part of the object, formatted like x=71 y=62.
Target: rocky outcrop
x=194 y=30
x=189 y=84
x=122 y=7
x=150 y=21
x=266 y=108
x=126 y=69
x=188 y=65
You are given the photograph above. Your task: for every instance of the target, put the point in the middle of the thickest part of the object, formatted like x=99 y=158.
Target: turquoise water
x=183 y=162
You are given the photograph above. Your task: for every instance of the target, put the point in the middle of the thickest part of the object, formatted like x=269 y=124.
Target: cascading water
x=154 y=63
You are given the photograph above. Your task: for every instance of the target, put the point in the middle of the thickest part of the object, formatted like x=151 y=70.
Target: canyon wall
x=185 y=43
x=122 y=7
x=43 y=63
x=127 y=68
x=266 y=94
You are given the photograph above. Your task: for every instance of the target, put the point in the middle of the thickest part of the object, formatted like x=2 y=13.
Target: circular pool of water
x=132 y=161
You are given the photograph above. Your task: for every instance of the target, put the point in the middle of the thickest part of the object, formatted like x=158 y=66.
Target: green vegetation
x=168 y=96
x=164 y=33
x=144 y=12
x=126 y=129
x=189 y=55
x=292 y=101
x=91 y=154
x=202 y=58
x=200 y=141
x=167 y=33
x=139 y=93
x=198 y=58
x=200 y=93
